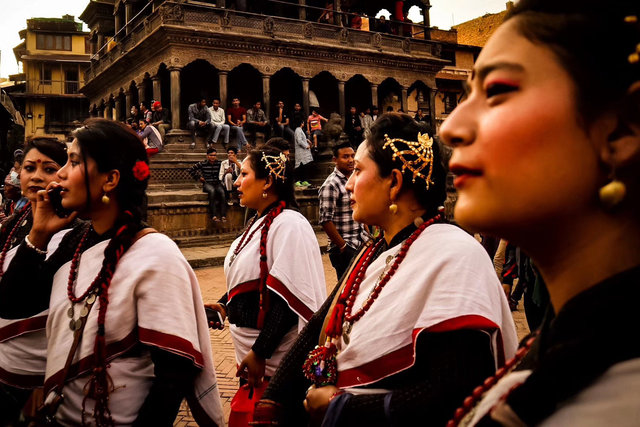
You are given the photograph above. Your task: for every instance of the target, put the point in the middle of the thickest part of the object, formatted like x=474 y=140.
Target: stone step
x=170 y=186
x=164 y=198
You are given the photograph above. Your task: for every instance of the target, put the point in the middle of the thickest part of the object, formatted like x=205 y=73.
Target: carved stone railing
x=207 y=18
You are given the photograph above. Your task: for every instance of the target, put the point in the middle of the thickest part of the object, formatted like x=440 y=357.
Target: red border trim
x=404 y=357
x=250 y=286
x=21 y=381
x=87 y=363
x=171 y=343
x=21 y=327
x=296 y=305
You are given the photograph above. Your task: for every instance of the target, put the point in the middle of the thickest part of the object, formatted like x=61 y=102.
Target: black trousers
x=341 y=260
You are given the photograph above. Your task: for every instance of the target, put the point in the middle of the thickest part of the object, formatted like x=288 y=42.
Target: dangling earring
x=393 y=208
x=105 y=199
x=612 y=193
x=264 y=195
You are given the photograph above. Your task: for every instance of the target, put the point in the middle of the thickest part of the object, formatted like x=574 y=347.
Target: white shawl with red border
x=295 y=273
x=154 y=299
x=23 y=342
x=446 y=282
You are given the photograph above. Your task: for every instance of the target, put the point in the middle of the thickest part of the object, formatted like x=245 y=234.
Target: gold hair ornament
x=634 y=57
x=422 y=150
x=277 y=165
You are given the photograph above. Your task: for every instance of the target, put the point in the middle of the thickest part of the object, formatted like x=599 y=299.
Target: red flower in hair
x=141 y=170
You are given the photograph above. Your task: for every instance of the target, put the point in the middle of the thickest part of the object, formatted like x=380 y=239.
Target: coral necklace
x=243 y=242
x=7 y=243
x=470 y=402
x=321 y=365
x=89 y=296
x=349 y=318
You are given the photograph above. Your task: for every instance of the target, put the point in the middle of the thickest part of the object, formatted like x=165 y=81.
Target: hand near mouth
x=45 y=221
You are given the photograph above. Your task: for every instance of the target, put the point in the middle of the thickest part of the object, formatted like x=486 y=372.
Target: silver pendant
x=84 y=311
x=346 y=330
x=70 y=312
x=91 y=299
x=73 y=324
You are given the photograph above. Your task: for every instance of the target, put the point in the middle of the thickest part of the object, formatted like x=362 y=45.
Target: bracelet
x=336 y=394
x=32 y=246
x=343 y=246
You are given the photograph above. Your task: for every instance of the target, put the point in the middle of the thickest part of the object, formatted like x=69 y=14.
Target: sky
x=13 y=18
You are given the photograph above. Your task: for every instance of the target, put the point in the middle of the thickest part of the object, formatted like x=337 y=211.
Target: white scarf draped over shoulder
x=154 y=299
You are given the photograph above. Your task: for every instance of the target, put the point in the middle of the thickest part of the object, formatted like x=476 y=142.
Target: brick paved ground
x=213 y=286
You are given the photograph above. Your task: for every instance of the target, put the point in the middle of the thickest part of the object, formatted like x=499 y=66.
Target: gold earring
x=105 y=199
x=393 y=208
x=612 y=193
x=264 y=195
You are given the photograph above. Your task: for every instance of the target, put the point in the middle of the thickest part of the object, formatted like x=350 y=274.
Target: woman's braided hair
x=112 y=146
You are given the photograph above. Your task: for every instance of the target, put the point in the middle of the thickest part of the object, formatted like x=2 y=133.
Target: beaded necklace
x=7 y=244
x=244 y=243
x=321 y=365
x=470 y=402
x=89 y=296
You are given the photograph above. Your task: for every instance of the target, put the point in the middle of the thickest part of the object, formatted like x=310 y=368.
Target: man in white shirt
x=218 y=120
x=229 y=171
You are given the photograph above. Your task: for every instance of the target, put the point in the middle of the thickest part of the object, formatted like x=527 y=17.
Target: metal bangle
x=32 y=246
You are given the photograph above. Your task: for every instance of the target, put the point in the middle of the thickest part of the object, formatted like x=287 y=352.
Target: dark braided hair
x=264 y=270
x=112 y=146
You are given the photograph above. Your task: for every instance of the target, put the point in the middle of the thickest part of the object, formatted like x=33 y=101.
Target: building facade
x=178 y=52
x=54 y=56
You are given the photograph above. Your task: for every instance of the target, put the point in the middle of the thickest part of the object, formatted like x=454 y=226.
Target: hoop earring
x=393 y=208
x=105 y=199
x=264 y=195
x=612 y=193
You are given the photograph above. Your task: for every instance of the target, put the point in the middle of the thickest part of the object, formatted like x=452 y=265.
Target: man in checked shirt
x=345 y=234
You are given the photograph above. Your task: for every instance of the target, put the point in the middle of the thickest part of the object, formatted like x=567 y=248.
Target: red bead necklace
x=470 y=402
x=244 y=242
x=73 y=272
x=7 y=243
x=350 y=319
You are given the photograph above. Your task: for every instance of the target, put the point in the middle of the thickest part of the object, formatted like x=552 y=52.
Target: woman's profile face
x=369 y=192
x=521 y=158
x=71 y=178
x=37 y=172
x=249 y=187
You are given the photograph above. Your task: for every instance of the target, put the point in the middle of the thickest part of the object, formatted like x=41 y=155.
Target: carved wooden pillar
x=128 y=15
x=266 y=103
x=118 y=109
x=426 y=19
x=341 y=100
x=141 y=91
x=175 y=97
x=302 y=10
x=432 y=108
x=157 y=89
x=337 y=16
x=374 y=94
x=127 y=103
x=305 y=96
x=117 y=24
x=405 y=100
x=222 y=84
x=100 y=42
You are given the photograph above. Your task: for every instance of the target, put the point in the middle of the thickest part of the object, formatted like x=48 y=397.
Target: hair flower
x=141 y=170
